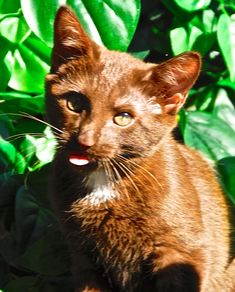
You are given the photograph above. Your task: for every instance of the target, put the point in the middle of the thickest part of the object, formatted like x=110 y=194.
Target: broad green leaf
x=6 y=126
x=178 y=11
x=5 y=70
x=226 y=83
x=9 y=6
x=204 y=42
x=12 y=157
x=224 y=109
x=28 y=149
x=46 y=255
x=203 y=98
x=4 y=76
x=226 y=39
x=9 y=184
x=179 y=40
x=115 y=21
x=15 y=29
x=205 y=21
x=40 y=17
x=40 y=245
x=193 y=5
x=31 y=220
x=192 y=38
x=28 y=71
x=16 y=102
x=43 y=148
x=226 y=168
x=209 y=20
x=209 y=134
x=140 y=55
x=39 y=48
x=111 y=21
x=28 y=125
x=194 y=33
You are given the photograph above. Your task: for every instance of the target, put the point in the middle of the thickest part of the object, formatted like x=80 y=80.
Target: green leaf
x=140 y=55
x=5 y=47
x=31 y=220
x=193 y=5
x=194 y=33
x=28 y=71
x=9 y=6
x=209 y=20
x=40 y=17
x=226 y=39
x=204 y=42
x=191 y=38
x=224 y=109
x=226 y=83
x=34 y=241
x=15 y=102
x=178 y=11
x=47 y=255
x=6 y=126
x=111 y=21
x=209 y=134
x=226 y=167
x=39 y=48
x=179 y=40
x=115 y=21
x=15 y=29
x=12 y=156
x=43 y=148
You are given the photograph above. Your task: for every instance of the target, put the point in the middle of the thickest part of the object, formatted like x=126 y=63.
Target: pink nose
x=86 y=138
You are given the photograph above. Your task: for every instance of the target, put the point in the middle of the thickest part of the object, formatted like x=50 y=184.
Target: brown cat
x=140 y=211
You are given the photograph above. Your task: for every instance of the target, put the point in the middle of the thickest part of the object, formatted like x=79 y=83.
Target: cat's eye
x=123 y=119
x=76 y=102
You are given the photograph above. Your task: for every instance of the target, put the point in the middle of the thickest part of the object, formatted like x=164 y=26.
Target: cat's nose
x=86 y=138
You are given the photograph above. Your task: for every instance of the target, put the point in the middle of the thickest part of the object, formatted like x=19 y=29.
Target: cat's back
x=212 y=205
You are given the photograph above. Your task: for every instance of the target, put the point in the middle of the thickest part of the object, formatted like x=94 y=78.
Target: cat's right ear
x=174 y=78
x=70 y=39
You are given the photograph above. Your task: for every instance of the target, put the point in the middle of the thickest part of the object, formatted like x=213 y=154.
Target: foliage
x=33 y=256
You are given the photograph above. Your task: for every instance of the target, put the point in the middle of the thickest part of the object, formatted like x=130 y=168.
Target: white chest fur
x=101 y=188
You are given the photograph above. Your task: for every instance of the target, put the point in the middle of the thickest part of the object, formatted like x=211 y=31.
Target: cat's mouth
x=79 y=160
x=82 y=161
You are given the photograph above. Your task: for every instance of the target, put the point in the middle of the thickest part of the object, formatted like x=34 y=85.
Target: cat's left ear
x=70 y=39
x=175 y=77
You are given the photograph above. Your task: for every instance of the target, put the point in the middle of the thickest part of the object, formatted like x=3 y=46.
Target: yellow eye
x=74 y=103
x=123 y=119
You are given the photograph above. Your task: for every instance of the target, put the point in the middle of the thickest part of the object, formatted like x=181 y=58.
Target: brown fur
x=166 y=229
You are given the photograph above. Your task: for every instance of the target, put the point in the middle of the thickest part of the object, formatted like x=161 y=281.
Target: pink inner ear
x=174 y=103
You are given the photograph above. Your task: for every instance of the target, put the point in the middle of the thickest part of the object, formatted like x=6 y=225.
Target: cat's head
x=108 y=104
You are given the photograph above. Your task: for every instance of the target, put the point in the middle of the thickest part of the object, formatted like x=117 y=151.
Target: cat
x=140 y=211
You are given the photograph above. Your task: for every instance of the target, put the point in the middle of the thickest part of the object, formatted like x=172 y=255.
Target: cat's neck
x=100 y=188
x=140 y=173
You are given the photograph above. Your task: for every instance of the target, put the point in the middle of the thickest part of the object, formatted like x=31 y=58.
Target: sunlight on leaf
x=193 y=5
x=15 y=29
x=110 y=22
x=28 y=71
x=226 y=39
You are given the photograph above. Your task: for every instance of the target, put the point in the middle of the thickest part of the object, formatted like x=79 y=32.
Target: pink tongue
x=78 y=160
